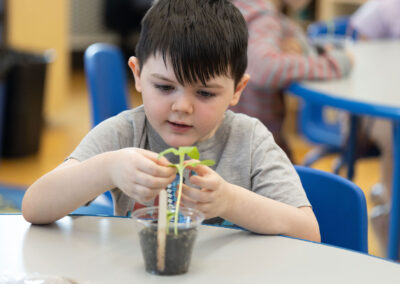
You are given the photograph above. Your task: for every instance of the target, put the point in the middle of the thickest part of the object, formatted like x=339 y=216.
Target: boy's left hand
x=213 y=196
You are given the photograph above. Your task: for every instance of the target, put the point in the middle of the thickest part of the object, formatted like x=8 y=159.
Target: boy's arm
x=263 y=215
x=137 y=172
x=247 y=209
x=64 y=189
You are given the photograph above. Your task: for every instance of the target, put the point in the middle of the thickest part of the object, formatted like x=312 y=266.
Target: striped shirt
x=271 y=70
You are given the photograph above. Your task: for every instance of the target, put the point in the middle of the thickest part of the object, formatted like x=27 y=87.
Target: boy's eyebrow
x=211 y=85
x=159 y=76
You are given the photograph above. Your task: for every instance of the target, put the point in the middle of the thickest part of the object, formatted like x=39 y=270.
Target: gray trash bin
x=24 y=76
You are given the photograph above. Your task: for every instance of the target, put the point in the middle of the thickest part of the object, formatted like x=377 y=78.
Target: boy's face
x=183 y=115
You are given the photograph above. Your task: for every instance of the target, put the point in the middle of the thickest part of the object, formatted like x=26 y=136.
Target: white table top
x=374 y=81
x=373 y=88
x=106 y=250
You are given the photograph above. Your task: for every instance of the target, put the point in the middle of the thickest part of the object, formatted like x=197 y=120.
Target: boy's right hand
x=139 y=174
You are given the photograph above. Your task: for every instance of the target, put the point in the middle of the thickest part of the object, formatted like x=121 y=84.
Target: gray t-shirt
x=243 y=149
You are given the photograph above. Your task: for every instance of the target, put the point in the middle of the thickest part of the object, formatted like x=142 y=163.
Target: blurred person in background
x=379 y=20
x=279 y=54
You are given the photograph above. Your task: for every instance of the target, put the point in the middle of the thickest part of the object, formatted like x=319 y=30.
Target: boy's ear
x=239 y=89
x=133 y=63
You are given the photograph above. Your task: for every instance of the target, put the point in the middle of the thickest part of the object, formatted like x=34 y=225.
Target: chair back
x=106 y=81
x=339 y=27
x=317 y=130
x=11 y=198
x=339 y=206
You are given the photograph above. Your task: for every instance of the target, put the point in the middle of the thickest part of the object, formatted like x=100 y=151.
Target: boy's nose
x=182 y=104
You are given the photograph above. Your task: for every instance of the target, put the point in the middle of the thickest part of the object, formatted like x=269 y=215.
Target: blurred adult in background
x=279 y=54
x=380 y=20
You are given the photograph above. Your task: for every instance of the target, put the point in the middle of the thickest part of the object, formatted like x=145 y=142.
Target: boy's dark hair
x=202 y=38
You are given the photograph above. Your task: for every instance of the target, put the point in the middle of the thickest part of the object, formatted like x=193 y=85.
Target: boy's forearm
x=263 y=215
x=66 y=188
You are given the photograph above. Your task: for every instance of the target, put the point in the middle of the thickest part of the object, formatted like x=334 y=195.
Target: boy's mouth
x=179 y=127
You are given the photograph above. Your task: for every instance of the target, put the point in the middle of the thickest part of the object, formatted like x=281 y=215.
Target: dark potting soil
x=178 y=250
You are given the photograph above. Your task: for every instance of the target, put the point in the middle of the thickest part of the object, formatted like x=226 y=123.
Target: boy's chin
x=179 y=142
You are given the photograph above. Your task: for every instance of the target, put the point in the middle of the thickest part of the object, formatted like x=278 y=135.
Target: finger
x=152 y=182
x=202 y=207
x=141 y=193
x=200 y=170
x=208 y=182
x=188 y=202
x=152 y=168
x=202 y=196
x=155 y=157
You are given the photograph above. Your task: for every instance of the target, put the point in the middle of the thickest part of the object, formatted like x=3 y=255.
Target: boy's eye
x=206 y=94
x=164 y=88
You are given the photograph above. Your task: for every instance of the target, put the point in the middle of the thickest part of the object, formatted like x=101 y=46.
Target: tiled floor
x=60 y=137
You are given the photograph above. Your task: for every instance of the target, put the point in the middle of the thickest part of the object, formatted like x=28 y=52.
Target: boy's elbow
x=28 y=213
x=34 y=219
x=310 y=224
x=32 y=216
x=309 y=232
x=315 y=235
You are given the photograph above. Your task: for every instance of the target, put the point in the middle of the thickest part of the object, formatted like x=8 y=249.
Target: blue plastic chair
x=11 y=199
x=11 y=196
x=319 y=131
x=339 y=27
x=311 y=121
x=101 y=206
x=106 y=81
x=339 y=206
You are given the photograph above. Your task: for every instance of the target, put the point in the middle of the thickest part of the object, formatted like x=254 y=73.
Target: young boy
x=190 y=64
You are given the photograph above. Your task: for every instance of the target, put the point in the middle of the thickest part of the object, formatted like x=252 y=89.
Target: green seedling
x=193 y=153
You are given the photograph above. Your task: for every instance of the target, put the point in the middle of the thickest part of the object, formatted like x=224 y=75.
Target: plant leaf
x=192 y=152
x=169 y=150
x=208 y=162
x=205 y=162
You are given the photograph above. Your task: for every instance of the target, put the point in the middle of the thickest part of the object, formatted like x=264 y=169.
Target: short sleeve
x=273 y=175
x=112 y=134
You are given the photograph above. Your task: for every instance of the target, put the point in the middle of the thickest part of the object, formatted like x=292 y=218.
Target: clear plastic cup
x=179 y=245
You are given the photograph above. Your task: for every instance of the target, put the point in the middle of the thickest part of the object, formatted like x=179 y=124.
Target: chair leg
x=318 y=153
x=338 y=164
x=350 y=153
